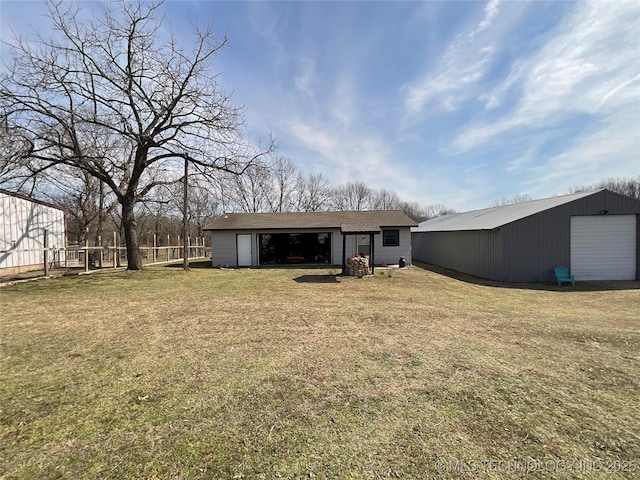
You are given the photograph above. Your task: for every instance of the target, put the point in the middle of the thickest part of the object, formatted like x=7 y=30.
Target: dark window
x=295 y=248
x=391 y=238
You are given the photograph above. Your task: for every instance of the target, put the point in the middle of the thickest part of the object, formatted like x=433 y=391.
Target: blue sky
x=458 y=103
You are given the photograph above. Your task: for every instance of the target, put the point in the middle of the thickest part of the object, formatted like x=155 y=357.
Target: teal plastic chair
x=562 y=275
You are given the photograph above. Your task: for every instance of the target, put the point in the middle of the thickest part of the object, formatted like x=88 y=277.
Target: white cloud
x=463 y=65
x=304 y=81
x=614 y=149
x=490 y=11
x=616 y=90
x=522 y=161
x=588 y=67
x=346 y=156
x=496 y=97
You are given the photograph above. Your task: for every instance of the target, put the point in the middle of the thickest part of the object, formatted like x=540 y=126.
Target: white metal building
x=22 y=232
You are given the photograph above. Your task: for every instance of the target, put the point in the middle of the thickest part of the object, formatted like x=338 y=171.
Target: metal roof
x=31 y=199
x=491 y=218
x=370 y=220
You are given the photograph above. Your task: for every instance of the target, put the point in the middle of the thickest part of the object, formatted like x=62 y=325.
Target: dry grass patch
x=292 y=373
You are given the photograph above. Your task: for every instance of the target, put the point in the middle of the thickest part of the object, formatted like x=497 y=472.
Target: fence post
x=100 y=258
x=86 y=255
x=115 y=251
x=155 y=246
x=46 y=252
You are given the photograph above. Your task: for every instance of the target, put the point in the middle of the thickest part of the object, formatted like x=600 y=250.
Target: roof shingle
x=372 y=220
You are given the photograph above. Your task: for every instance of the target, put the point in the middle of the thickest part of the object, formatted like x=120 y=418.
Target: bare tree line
x=113 y=98
x=627 y=186
x=277 y=186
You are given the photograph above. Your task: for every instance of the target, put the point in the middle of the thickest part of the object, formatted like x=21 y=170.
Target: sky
x=453 y=103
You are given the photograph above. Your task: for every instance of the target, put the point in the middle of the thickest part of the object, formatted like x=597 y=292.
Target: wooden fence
x=91 y=256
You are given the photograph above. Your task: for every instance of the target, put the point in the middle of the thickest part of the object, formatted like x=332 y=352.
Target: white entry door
x=244 y=249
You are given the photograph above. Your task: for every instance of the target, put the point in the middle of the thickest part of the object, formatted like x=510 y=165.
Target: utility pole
x=46 y=252
x=185 y=216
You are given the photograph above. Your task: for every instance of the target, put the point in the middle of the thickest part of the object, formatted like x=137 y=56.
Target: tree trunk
x=134 y=260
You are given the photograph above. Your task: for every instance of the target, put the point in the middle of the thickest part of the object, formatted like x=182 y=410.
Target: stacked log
x=358 y=266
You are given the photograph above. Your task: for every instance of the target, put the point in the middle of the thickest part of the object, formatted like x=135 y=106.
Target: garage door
x=603 y=247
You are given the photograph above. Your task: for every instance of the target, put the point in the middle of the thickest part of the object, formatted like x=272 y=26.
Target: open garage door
x=603 y=247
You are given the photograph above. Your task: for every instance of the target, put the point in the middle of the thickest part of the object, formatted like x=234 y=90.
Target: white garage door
x=244 y=250
x=603 y=247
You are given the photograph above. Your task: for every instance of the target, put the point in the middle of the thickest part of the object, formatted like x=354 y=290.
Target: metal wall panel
x=472 y=252
x=526 y=250
x=533 y=246
x=22 y=232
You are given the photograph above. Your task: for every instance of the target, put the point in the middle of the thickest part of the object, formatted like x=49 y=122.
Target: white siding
x=391 y=255
x=22 y=232
x=603 y=247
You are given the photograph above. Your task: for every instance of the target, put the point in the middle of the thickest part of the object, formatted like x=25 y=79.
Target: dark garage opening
x=291 y=248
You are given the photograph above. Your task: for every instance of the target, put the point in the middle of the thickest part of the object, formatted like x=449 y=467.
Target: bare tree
x=84 y=199
x=517 y=198
x=436 y=210
x=204 y=204
x=314 y=193
x=249 y=192
x=284 y=185
x=413 y=210
x=112 y=97
x=352 y=196
x=623 y=185
x=272 y=185
x=384 y=199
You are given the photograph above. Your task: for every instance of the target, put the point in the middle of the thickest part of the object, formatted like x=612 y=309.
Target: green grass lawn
x=294 y=373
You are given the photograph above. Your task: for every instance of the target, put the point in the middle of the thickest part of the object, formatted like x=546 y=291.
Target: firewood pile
x=358 y=266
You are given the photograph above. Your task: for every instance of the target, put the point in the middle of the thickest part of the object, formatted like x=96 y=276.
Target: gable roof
x=348 y=221
x=491 y=218
x=31 y=199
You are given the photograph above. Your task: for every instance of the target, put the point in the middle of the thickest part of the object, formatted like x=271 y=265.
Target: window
x=391 y=238
x=279 y=248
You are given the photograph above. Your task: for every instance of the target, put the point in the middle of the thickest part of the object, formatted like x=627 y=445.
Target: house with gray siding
x=594 y=234
x=263 y=239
